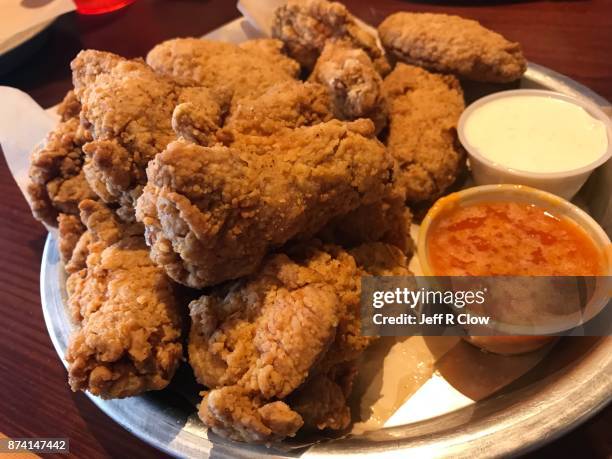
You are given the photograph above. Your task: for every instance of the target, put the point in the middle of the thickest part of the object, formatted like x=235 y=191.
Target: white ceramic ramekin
x=565 y=184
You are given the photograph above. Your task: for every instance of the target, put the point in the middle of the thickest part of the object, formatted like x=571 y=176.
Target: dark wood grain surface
x=572 y=37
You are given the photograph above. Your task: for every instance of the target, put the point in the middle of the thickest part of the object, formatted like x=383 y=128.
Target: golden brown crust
x=353 y=83
x=295 y=324
x=129 y=336
x=232 y=413
x=322 y=402
x=274 y=51
x=387 y=220
x=228 y=70
x=290 y=104
x=69 y=107
x=266 y=334
x=212 y=213
x=56 y=180
x=305 y=26
x=127 y=110
x=424 y=109
x=70 y=231
x=451 y=44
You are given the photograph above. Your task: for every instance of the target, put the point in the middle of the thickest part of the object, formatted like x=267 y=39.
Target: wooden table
x=572 y=37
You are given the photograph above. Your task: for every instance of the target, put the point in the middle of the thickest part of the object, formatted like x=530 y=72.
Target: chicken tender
x=424 y=109
x=56 y=180
x=293 y=325
x=127 y=109
x=306 y=25
x=352 y=82
x=211 y=214
x=129 y=340
x=227 y=69
x=452 y=44
x=290 y=104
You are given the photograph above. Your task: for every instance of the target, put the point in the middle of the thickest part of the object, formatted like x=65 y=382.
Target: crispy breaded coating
x=285 y=105
x=69 y=107
x=129 y=336
x=322 y=400
x=373 y=259
x=57 y=183
x=452 y=44
x=353 y=83
x=211 y=214
x=70 y=231
x=78 y=257
x=274 y=51
x=387 y=220
x=424 y=109
x=305 y=26
x=293 y=325
x=228 y=70
x=197 y=117
x=264 y=335
x=127 y=109
x=232 y=413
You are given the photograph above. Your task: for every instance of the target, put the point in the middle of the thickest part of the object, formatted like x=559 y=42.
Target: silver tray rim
x=543 y=414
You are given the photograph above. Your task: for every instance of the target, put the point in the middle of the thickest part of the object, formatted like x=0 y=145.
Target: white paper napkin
x=19 y=16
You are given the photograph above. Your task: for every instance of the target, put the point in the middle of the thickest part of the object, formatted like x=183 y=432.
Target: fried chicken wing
x=56 y=180
x=127 y=109
x=424 y=109
x=268 y=332
x=352 y=82
x=452 y=44
x=129 y=336
x=292 y=326
x=211 y=214
x=225 y=68
x=306 y=25
x=285 y=105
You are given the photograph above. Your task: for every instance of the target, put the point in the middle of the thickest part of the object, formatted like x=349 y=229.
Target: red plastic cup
x=100 y=6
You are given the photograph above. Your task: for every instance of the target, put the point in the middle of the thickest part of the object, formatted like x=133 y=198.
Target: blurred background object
x=100 y=6
x=22 y=21
x=24 y=24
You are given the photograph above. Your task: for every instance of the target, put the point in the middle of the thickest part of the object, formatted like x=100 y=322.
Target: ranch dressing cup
x=538 y=138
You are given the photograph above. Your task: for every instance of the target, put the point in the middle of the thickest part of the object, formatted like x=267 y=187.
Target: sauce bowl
x=553 y=204
x=513 y=193
x=565 y=183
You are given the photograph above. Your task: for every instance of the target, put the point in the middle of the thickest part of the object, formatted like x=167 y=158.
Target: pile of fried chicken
x=268 y=178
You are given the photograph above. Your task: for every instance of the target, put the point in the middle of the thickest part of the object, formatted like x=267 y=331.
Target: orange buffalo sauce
x=511 y=239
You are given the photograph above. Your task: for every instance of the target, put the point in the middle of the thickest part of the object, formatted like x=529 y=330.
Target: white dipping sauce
x=536 y=134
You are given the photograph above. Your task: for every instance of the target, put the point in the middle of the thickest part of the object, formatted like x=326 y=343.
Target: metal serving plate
x=572 y=383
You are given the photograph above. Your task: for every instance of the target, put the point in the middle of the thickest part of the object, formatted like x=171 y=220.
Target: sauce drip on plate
x=512 y=239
